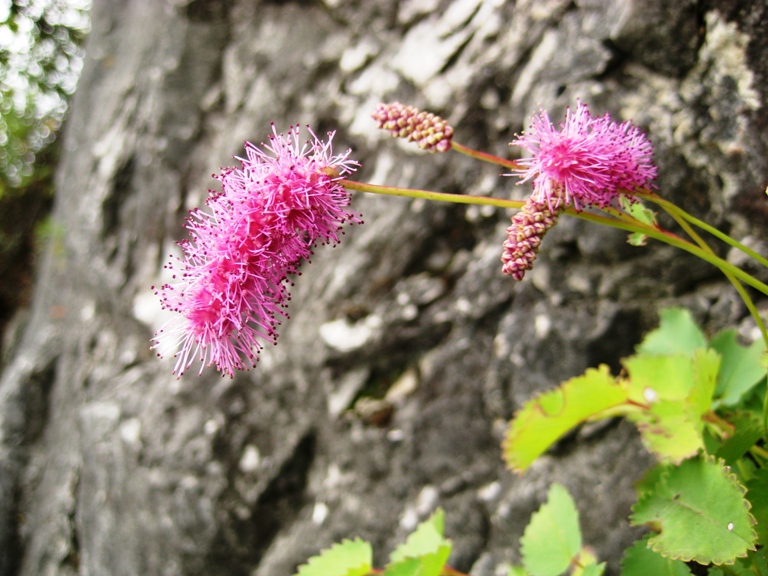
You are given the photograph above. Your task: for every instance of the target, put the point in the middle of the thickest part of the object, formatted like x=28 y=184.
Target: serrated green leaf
x=640 y=560
x=701 y=512
x=677 y=332
x=757 y=494
x=544 y=419
x=348 y=558
x=741 y=368
x=424 y=552
x=552 y=537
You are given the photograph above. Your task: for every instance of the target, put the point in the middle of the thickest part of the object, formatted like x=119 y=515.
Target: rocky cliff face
x=407 y=350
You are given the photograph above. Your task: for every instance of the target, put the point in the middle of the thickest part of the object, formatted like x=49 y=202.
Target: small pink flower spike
x=588 y=162
x=231 y=289
x=525 y=235
x=430 y=132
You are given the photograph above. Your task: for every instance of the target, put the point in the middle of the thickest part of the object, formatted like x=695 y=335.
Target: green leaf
x=747 y=430
x=651 y=477
x=349 y=558
x=759 y=560
x=517 y=571
x=677 y=332
x=642 y=214
x=706 y=366
x=637 y=239
x=426 y=565
x=585 y=564
x=655 y=377
x=426 y=539
x=700 y=511
x=667 y=431
x=591 y=570
x=404 y=567
x=757 y=494
x=741 y=368
x=677 y=390
x=549 y=416
x=755 y=563
x=424 y=552
x=639 y=211
x=640 y=560
x=552 y=538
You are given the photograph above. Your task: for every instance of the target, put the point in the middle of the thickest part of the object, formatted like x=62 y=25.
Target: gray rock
x=109 y=465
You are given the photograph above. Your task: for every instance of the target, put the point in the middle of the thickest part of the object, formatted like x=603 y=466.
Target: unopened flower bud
x=525 y=234
x=429 y=131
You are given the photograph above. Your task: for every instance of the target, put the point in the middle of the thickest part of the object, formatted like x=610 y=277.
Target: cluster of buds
x=428 y=131
x=525 y=234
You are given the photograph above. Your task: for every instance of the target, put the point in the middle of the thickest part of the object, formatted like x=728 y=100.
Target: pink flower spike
x=231 y=286
x=524 y=236
x=588 y=162
x=430 y=132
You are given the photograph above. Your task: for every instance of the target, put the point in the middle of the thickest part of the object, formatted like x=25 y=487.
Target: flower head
x=231 y=289
x=429 y=131
x=588 y=162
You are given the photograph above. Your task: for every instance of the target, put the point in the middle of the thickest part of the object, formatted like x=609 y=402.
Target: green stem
x=429 y=195
x=678 y=242
x=636 y=226
x=670 y=208
x=736 y=284
x=484 y=156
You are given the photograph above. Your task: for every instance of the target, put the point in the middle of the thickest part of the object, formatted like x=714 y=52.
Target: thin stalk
x=736 y=284
x=636 y=226
x=429 y=195
x=483 y=156
x=678 y=242
x=670 y=208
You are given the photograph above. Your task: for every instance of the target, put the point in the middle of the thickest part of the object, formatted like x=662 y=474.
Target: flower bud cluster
x=525 y=234
x=430 y=132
